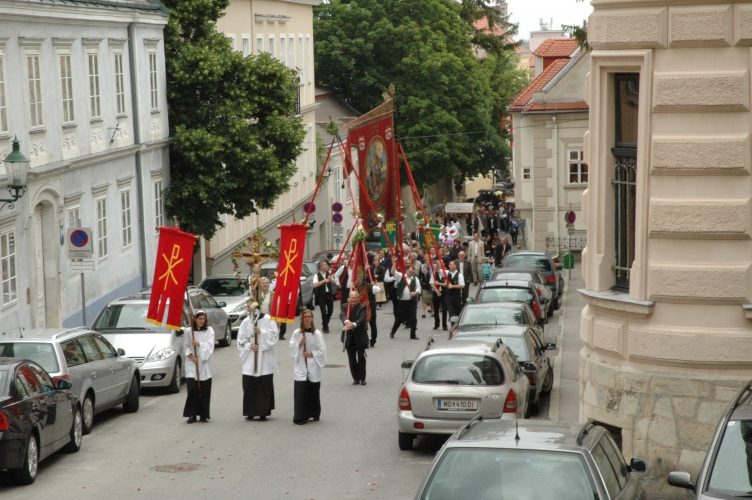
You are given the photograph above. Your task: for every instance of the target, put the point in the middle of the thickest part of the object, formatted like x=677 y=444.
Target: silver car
x=233 y=291
x=216 y=316
x=450 y=384
x=305 y=296
x=101 y=376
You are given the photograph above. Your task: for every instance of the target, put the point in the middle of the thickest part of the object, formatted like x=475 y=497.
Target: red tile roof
x=558 y=106
x=482 y=25
x=556 y=47
x=523 y=98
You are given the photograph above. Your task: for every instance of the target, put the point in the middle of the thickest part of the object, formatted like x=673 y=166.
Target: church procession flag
x=174 y=260
x=289 y=267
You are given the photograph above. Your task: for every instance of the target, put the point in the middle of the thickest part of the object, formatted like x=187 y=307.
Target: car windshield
x=505 y=294
x=492 y=316
x=535 y=261
x=516 y=344
x=41 y=352
x=731 y=472
x=458 y=369
x=126 y=317
x=508 y=474
x=225 y=287
x=513 y=276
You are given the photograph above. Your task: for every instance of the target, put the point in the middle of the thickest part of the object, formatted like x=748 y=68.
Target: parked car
x=478 y=316
x=450 y=384
x=531 y=355
x=216 y=316
x=543 y=262
x=101 y=376
x=536 y=459
x=233 y=291
x=512 y=291
x=305 y=294
x=37 y=418
x=534 y=275
x=726 y=472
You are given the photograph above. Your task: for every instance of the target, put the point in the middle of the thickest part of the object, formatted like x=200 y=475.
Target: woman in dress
x=257 y=336
x=309 y=355
x=198 y=347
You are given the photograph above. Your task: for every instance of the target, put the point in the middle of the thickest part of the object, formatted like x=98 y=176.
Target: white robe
x=308 y=368
x=204 y=352
x=267 y=339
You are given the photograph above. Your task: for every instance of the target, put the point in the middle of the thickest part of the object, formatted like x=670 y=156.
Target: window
x=35 y=90
x=101 y=235
x=291 y=52
x=94 y=98
x=125 y=216
x=578 y=169
x=259 y=44
x=158 y=204
x=119 y=84
x=525 y=173
x=74 y=355
x=245 y=45
x=104 y=347
x=624 y=181
x=8 y=266
x=66 y=87
x=283 y=49
x=74 y=217
x=607 y=471
x=301 y=60
x=90 y=348
x=307 y=57
x=3 y=102
x=271 y=46
x=153 y=88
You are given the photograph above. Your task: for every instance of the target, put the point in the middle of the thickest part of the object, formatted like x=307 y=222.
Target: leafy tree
x=447 y=110
x=231 y=118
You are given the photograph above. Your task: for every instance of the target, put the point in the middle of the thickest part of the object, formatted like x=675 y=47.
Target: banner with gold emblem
x=290 y=265
x=174 y=259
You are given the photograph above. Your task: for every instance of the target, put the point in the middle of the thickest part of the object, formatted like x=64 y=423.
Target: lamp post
x=16 y=170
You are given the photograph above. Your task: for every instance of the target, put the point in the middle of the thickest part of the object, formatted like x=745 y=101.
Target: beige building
x=668 y=263
x=284 y=29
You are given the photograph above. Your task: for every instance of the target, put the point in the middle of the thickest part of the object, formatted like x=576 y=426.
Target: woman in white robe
x=198 y=348
x=258 y=381
x=309 y=355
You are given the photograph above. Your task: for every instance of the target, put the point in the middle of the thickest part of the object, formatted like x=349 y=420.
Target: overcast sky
x=527 y=13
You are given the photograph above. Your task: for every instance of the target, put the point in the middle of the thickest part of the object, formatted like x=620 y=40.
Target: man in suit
x=407 y=288
x=477 y=254
x=323 y=291
x=466 y=270
x=354 y=336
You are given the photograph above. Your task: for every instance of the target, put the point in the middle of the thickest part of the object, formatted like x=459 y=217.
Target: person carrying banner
x=257 y=337
x=198 y=348
x=354 y=336
x=309 y=357
x=407 y=288
x=323 y=291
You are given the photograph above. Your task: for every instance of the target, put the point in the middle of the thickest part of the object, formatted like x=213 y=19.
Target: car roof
x=742 y=404
x=515 y=270
x=222 y=277
x=492 y=330
x=44 y=334
x=506 y=283
x=495 y=305
x=533 y=434
x=451 y=347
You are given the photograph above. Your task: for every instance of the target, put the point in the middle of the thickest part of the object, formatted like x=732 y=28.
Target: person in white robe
x=259 y=363
x=198 y=348
x=309 y=357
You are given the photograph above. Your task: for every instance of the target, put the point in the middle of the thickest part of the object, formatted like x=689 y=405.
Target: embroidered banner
x=174 y=259
x=289 y=267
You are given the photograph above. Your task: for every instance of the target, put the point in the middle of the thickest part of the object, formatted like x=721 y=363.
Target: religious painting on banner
x=372 y=135
x=289 y=267
x=174 y=259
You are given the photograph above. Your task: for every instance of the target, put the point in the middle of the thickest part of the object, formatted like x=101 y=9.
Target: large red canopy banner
x=289 y=267
x=372 y=136
x=174 y=260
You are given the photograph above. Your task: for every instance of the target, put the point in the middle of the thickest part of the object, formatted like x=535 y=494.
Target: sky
x=528 y=12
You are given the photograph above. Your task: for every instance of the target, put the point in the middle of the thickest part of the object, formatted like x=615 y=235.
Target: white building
x=82 y=86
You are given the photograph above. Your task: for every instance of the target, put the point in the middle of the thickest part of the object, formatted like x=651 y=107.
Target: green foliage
x=449 y=101
x=232 y=120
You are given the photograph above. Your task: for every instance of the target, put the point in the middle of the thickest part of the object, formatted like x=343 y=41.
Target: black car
x=37 y=418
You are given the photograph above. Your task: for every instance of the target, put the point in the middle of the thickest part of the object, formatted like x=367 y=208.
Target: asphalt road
x=351 y=453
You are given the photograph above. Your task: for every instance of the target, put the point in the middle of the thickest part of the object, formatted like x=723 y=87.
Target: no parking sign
x=80 y=243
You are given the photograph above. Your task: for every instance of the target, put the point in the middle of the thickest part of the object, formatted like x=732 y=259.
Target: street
x=351 y=453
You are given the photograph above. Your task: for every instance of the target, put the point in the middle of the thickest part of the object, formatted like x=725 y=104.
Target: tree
x=446 y=105
x=235 y=136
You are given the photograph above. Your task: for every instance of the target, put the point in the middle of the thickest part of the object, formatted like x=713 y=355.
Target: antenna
x=516 y=429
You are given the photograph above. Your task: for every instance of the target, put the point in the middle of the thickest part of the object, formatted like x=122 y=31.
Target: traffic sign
x=570 y=217
x=80 y=244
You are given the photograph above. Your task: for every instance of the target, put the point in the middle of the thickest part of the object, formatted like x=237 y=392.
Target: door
x=58 y=403
x=98 y=371
x=46 y=292
x=43 y=409
x=117 y=366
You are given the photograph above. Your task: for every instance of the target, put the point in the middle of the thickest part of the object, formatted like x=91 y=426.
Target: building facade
x=284 y=29
x=668 y=263
x=82 y=86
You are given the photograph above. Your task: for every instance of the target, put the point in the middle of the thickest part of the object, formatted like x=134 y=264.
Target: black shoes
x=373 y=343
x=391 y=335
x=326 y=330
x=262 y=418
x=299 y=422
x=362 y=382
x=190 y=420
x=413 y=337
x=436 y=327
x=356 y=382
x=204 y=420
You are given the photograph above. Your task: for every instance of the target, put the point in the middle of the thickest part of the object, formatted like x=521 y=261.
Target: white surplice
x=308 y=368
x=203 y=351
x=268 y=338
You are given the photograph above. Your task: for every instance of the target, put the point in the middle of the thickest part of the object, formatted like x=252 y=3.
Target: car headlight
x=238 y=309
x=161 y=354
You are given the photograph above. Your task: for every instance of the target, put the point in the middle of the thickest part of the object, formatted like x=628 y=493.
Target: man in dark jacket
x=466 y=270
x=354 y=336
x=323 y=292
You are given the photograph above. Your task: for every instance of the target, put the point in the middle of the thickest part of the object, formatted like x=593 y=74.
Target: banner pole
x=318 y=182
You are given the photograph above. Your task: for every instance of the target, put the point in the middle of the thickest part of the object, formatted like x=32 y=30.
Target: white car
x=233 y=291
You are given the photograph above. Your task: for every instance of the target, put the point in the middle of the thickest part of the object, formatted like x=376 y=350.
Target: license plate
x=457 y=404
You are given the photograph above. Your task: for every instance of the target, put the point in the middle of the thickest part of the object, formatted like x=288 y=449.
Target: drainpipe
x=137 y=139
x=556 y=180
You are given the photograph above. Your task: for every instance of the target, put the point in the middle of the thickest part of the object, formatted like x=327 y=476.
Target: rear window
x=489 y=316
x=41 y=352
x=535 y=261
x=513 y=276
x=505 y=294
x=225 y=287
x=508 y=474
x=458 y=369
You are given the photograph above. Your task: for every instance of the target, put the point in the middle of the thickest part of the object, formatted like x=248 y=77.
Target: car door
x=535 y=358
x=118 y=368
x=58 y=401
x=43 y=410
x=98 y=371
x=630 y=486
x=77 y=369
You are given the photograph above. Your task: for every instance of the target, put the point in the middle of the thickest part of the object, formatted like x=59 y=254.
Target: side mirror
x=180 y=331
x=407 y=364
x=120 y=351
x=638 y=465
x=680 y=480
x=64 y=385
x=222 y=304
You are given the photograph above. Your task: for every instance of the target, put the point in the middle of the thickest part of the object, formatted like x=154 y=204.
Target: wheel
x=27 y=473
x=88 y=412
x=548 y=382
x=227 y=339
x=405 y=441
x=130 y=405
x=76 y=432
x=174 y=386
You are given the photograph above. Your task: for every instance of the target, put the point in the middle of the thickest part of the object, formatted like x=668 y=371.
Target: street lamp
x=16 y=169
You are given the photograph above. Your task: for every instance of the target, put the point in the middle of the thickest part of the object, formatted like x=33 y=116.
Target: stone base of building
x=666 y=418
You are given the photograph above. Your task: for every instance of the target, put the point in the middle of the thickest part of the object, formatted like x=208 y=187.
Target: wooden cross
x=257 y=256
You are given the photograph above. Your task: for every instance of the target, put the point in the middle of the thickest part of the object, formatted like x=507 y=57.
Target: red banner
x=372 y=135
x=174 y=259
x=289 y=267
